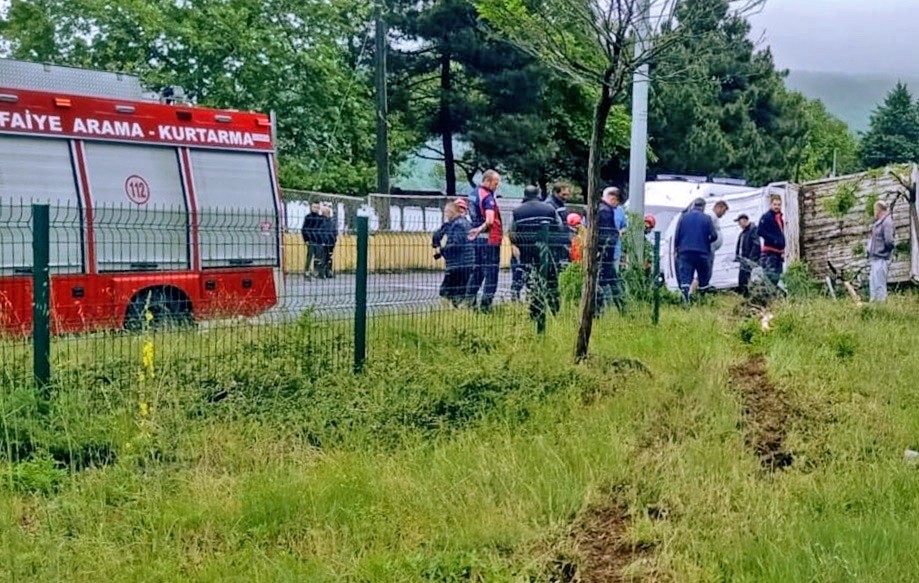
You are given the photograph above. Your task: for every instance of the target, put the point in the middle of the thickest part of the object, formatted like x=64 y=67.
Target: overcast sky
x=859 y=36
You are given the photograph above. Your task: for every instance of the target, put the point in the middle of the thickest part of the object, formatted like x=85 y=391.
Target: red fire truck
x=156 y=207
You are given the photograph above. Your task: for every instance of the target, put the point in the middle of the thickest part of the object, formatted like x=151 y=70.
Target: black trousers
x=455 y=283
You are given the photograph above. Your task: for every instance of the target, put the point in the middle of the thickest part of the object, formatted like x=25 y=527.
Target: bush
x=800 y=282
x=571 y=282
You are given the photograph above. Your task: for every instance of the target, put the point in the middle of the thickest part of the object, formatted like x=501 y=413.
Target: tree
x=893 y=136
x=307 y=60
x=829 y=146
x=592 y=42
x=455 y=82
x=730 y=112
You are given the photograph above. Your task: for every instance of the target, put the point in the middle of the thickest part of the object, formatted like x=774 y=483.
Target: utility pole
x=382 y=150
x=638 y=156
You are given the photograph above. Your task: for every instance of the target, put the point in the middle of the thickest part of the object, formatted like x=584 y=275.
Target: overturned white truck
x=827 y=222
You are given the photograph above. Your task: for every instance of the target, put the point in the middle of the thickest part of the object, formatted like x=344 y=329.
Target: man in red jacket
x=772 y=231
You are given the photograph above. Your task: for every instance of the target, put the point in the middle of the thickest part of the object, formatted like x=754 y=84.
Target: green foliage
x=843 y=200
x=800 y=282
x=894 y=133
x=571 y=283
x=719 y=106
x=306 y=61
x=870 y=201
x=41 y=474
x=844 y=345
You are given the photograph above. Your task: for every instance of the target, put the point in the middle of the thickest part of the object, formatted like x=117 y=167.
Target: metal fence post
x=542 y=286
x=658 y=280
x=360 y=294
x=41 y=296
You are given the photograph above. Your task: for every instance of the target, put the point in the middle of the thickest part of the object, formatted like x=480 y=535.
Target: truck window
x=139 y=213
x=38 y=170
x=237 y=215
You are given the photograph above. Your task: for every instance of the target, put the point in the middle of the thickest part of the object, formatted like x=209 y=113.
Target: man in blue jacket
x=608 y=238
x=695 y=234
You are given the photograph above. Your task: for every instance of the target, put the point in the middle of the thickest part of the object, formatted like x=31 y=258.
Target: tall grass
x=467 y=455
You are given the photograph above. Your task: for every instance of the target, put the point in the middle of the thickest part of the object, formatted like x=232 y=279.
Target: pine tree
x=893 y=136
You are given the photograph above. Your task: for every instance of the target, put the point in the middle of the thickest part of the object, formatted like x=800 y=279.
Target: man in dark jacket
x=458 y=253
x=328 y=237
x=772 y=231
x=608 y=238
x=695 y=234
x=558 y=200
x=537 y=259
x=310 y=233
x=747 y=253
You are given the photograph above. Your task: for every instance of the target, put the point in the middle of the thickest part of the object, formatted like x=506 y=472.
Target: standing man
x=622 y=222
x=695 y=234
x=880 y=248
x=608 y=237
x=487 y=232
x=526 y=232
x=558 y=200
x=772 y=231
x=719 y=211
x=746 y=253
x=310 y=233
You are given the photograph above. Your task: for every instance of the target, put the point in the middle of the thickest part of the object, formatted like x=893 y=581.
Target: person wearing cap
x=880 y=249
x=538 y=264
x=458 y=253
x=746 y=253
x=695 y=234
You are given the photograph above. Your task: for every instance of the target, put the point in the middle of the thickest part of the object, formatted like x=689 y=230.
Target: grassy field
x=700 y=450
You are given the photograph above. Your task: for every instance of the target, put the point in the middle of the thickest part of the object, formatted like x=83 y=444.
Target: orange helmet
x=650 y=222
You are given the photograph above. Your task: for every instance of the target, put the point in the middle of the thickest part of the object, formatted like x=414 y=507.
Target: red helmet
x=650 y=222
x=573 y=219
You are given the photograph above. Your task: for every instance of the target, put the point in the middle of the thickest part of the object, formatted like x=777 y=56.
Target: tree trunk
x=592 y=257
x=446 y=123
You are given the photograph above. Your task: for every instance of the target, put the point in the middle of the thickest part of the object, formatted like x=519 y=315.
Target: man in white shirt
x=719 y=211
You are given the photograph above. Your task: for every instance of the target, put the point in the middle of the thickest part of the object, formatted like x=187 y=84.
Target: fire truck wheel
x=168 y=307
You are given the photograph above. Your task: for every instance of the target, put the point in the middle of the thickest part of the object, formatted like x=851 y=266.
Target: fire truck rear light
x=9 y=97
x=223 y=118
x=62 y=102
x=183 y=114
x=264 y=123
x=125 y=108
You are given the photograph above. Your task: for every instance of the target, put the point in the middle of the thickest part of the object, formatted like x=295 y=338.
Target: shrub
x=800 y=282
x=571 y=282
x=842 y=201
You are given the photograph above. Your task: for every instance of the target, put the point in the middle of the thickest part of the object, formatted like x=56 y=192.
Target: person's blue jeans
x=690 y=264
x=487 y=261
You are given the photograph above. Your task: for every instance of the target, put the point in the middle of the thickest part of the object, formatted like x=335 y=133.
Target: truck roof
x=70 y=80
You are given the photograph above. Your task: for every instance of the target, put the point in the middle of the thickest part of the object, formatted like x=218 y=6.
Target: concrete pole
x=638 y=157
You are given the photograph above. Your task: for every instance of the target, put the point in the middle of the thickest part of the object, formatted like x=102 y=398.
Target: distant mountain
x=849 y=96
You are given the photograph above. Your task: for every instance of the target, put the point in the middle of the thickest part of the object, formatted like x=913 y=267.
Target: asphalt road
x=386 y=293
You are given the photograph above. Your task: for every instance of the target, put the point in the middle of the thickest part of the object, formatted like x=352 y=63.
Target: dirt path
x=765 y=411
x=602 y=549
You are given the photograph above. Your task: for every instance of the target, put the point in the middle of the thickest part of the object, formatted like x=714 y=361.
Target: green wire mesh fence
x=163 y=291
